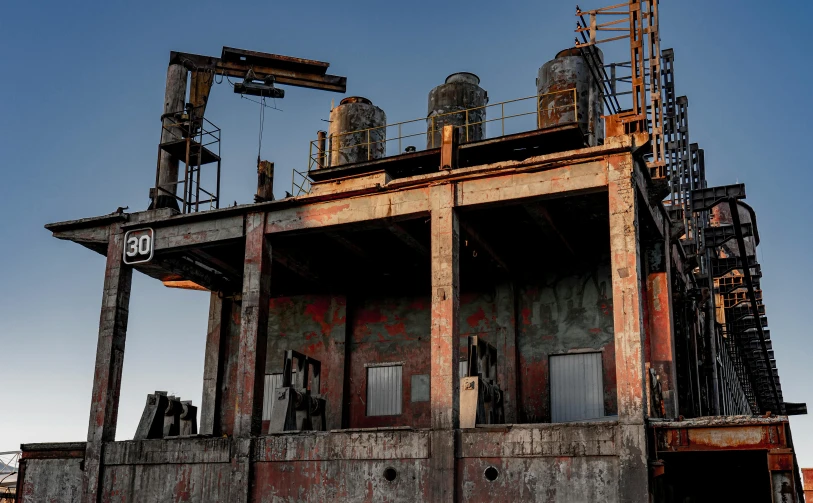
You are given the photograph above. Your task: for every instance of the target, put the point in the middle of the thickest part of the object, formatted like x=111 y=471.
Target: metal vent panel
x=384 y=390
x=576 y=387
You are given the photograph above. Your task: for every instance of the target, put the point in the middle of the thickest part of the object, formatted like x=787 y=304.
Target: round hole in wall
x=491 y=474
x=390 y=474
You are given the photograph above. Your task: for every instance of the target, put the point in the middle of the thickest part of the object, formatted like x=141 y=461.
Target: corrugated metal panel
x=384 y=390
x=576 y=387
x=272 y=382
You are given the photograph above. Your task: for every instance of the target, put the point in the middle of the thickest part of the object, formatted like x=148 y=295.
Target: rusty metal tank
x=357 y=132
x=556 y=78
x=448 y=103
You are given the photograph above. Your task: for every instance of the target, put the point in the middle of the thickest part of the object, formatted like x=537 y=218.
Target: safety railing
x=556 y=107
x=193 y=140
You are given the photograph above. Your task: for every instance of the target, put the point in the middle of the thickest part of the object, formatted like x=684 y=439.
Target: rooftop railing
x=556 y=107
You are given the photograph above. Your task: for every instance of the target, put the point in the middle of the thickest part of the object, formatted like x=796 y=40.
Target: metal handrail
x=318 y=157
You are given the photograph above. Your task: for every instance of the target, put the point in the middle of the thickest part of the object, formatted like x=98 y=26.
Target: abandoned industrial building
x=538 y=299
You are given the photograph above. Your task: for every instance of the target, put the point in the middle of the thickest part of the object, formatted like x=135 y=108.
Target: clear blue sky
x=81 y=93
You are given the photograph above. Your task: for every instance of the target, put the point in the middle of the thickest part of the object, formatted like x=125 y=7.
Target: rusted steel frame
x=746 y=272
x=653 y=210
x=313 y=78
x=720 y=438
x=711 y=326
x=109 y=362
x=593 y=60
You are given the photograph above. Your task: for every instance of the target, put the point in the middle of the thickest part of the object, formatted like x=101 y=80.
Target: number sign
x=138 y=246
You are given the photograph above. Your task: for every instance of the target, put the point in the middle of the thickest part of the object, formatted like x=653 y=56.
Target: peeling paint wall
x=52 y=480
x=314 y=325
x=565 y=313
x=388 y=330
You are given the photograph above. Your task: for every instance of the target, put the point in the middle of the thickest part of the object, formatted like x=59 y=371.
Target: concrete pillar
x=445 y=337
x=629 y=329
x=174 y=101
x=661 y=333
x=506 y=343
x=251 y=360
x=783 y=483
x=210 y=403
x=104 y=404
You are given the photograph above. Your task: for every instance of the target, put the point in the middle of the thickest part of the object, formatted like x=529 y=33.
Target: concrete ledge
x=54 y=450
x=171 y=451
x=362 y=445
x=540 y=440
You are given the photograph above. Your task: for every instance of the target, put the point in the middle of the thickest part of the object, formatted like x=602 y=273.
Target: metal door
x=576 y=387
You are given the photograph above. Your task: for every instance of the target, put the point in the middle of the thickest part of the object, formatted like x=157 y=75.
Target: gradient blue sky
x=81 y=93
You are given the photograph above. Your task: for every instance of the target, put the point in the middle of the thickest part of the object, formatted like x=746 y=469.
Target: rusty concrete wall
x=567 y=312
x=51 y=480
x=167 y=471
x=346 y=466
x=314 y=325
x=388 y=330
x=544 y=463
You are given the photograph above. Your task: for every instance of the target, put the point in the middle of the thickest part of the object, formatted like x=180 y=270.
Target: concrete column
x=174 y=101
x=104 y=404
x=783 y=484
x=251 y=360
x=507 y=348
x=629 y=330
x=661 y=327
x=445 y=345
x=210 y=403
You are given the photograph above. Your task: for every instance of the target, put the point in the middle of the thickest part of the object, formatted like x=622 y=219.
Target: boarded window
x=419 y=388
x=384 y=390
x=576 y=387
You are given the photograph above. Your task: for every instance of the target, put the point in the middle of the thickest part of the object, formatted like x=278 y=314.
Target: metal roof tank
x=357 y=132
x=569 y=70
x=460 y=92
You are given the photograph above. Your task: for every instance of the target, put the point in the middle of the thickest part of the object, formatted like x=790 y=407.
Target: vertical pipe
x=321 y=138
x=167 y=176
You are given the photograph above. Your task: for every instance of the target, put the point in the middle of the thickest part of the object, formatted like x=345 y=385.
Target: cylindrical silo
x=460 y=101
x=357 y=132
x=555 y=84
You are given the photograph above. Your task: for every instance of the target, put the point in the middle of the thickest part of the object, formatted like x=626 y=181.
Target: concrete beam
x=539 y=214
x=104 y=404
x=484 y=246
x=561 y=181
x=199 y=233
x=408 y=239
x=406 y=203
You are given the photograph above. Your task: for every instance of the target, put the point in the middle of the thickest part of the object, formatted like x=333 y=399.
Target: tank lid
x=466 y=77
x=355 y=99
x=573 y=51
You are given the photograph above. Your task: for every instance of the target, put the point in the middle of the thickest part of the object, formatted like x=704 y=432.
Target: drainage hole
x=390 y=474
x=491 y=474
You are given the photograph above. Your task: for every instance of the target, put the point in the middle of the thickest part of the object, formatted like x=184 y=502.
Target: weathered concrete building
x=516 y=317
